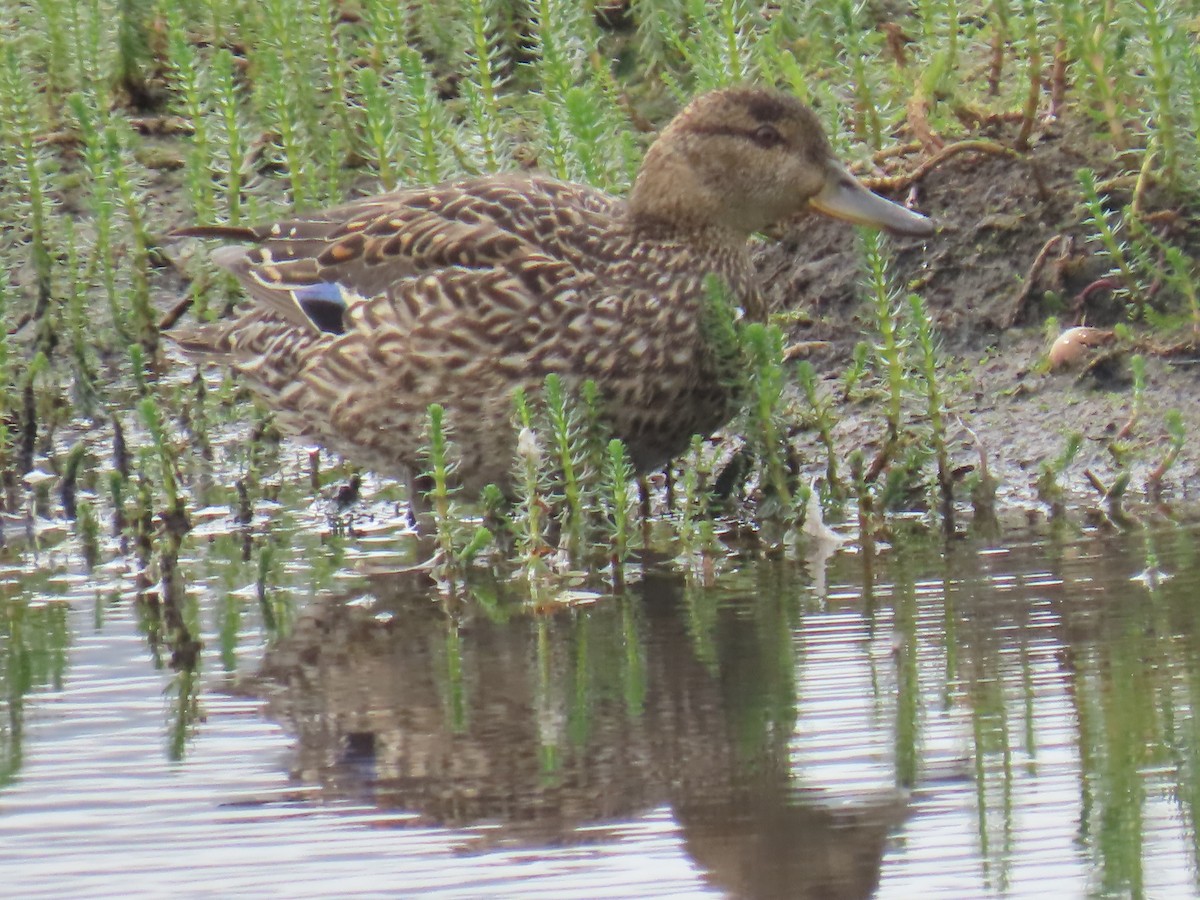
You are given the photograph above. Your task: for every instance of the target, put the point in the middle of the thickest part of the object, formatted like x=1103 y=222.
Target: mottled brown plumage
x=363 y=315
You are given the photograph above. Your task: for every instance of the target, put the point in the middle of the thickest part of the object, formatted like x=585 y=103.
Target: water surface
x=971 y=719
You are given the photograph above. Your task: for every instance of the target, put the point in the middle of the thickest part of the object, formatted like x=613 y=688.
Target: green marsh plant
x=1176 y=439
x=823 y=421
x=1167 y=50
x=593 y=432
x=429 y=129
x=80 y=338
x=1118 y=447
x=384 y=31
x=860 y=365
x=129 y=194
x=763 y=348
x=68 y=484
x=935 y=403
x=1048 y=484
x=865 y=502
x=117 y=491
x=1179 y=273
x=861 y=48
x=531 y=500
x=103 y=203
x=560 y=36
x=174 y=516
x=287 y=99
x=132 y=62
x=940 y=26
x=192 y=101
x=1105 y=227
x=563 y=431
x=87 y=527
x=1030 y=13
x=618 y=501
x=483 y=85
x=998 y=22
x=581 y=124
x=383 y=138
x=30 y=422
x=58 y=38
x=327 y=15
x=29 y=171
x=891 y=349
x=195 y=418
x=695 y=527
x=594 y=132
x=457 y=542
x=1098 y=40
x=715 y=47
x=8 y=408
x=229 y=128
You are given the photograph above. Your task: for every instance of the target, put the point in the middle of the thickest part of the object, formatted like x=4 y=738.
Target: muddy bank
x=1002 y=220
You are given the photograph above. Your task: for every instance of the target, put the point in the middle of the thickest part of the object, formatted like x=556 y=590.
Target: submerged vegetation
x=126 y=120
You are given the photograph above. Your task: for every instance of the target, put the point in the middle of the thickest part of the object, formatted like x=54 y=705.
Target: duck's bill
x=844 y=197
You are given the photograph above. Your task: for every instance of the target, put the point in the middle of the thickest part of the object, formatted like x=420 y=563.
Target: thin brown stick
x=897 y=40
x=1039 y=263
x=983 y=494
x=1058 y=78
x=893 y=183
x=996 y=61
x=1126 y=182
x=1127 y=429
x=165 y=126
x=1029 y=114
x=174 y=314
x=22 y=320
x=161 y=125
x=1155 y=478
x=917 y=115
x=1145 y=178
x=802 y=348
x=1097 y=485
x=1108 y=282
x=895 y=150
x=1178 y=348
x=881 y=460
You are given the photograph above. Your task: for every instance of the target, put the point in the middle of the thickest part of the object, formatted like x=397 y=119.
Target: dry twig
x=893 y=183
x=1035 y=271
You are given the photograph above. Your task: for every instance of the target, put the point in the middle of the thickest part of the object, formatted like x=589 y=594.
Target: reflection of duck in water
x=763 y=842
x=560 y=722
x=362 y=316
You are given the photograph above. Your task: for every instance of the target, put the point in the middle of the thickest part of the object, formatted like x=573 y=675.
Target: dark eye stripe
x=763 y=135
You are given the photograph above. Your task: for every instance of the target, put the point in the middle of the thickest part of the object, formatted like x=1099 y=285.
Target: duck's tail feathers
x=219 y=232
x=202 y=343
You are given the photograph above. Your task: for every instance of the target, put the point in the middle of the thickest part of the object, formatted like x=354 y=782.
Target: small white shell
x=1072 y=346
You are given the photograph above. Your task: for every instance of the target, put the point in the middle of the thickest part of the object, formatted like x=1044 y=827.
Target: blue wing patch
x=324 y=304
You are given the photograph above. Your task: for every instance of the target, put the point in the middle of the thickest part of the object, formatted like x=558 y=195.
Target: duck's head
x=740 y=159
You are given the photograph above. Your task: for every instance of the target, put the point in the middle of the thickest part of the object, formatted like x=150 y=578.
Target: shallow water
x=972 y=720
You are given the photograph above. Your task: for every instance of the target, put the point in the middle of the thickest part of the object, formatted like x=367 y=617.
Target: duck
x=357 y=318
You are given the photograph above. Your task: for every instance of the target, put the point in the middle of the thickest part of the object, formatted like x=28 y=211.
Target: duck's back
x=363 y=315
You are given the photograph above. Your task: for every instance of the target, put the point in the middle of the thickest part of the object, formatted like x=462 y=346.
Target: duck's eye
x=767 y=136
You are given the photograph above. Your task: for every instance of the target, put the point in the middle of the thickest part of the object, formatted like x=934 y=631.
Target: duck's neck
x=669 y=199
